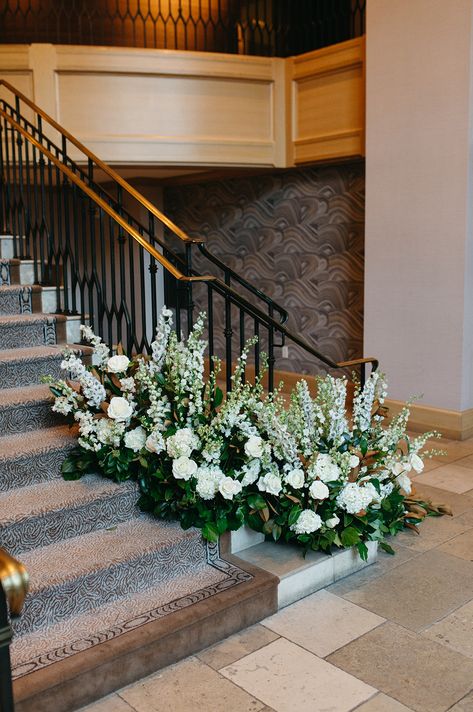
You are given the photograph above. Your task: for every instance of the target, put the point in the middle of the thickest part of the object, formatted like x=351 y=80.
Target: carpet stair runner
x=114 y=593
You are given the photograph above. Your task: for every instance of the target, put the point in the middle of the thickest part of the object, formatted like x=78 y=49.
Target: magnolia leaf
x=292 y=498
x=256 y=501
x=264 y=514
x=385 y=547
x=412 y=526
x=350 y=536
x=210 y=532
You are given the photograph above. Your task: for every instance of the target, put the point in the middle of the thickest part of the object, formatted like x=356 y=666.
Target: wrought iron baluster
x=6 y=689
x=228 y=333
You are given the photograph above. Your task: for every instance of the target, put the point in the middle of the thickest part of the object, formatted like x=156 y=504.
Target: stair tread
x=32 y=352
x=37 y=318
x=39 y=499
x=24 y=395
x=18 y=287
x=13 y=446
x=70 y=559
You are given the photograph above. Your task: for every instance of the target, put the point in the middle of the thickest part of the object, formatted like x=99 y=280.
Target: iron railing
x=258 y=27
x=6 y=689
x=106 y=265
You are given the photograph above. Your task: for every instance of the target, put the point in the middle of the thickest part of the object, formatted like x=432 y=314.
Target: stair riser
x=25 y=417
x=37 y=467
x=16 y=374
x=55 y=604
x=20 y=335
x=69 y=522
x=17 y=273
x=28 y=300
x=7 y=247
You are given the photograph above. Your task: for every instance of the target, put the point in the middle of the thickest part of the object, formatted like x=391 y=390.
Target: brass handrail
x=104 y=167
x=15 y=581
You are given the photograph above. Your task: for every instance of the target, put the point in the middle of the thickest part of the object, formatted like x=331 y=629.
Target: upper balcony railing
x=277 y=28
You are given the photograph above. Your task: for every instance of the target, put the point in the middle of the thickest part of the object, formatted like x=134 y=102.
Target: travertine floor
x=396 y=637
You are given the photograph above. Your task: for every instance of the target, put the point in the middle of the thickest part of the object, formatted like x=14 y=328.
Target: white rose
x=118 y=364
x=332 y=522
x=183 y=468
x=155 y=442
x=295 y=478
x=119 y=409
x=228 y=487
x=135 y=439
x=307 y=522
x=416 y=462
x=354 y=461
x=404 y=483
x=254 y=446
x=270 y=483
x=319 y=490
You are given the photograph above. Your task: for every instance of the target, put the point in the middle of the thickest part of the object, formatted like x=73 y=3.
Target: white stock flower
x=295 y=478
x=109 y=432
x=128 y=385
x=270 y=483
x=325 y=469
x=183 y=468
x=254 y=446
x=353 y=498
x=416 y=462
x=404 y=483
x=135 y=439
x=307 y=522
x=119 y=409
x=319 y=490
x=155 y=442
x=332 y=521
x=354 y=461
x=250 y=472
x=118 y=364
x=228 y=487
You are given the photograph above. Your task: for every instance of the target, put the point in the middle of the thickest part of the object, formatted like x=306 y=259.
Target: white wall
x=418 y=292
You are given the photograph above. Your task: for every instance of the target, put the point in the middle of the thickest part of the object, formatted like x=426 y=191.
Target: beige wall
x=419 y=266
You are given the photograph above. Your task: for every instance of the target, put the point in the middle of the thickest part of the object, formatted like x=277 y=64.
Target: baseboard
x=453 y=424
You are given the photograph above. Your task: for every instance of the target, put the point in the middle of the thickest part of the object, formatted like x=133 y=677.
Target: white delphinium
x=208 y=480
x=128 y=387
x=182 y=443
x=305 y=419
x=307 y=522
x=135 y=439
x=374 y=389
x=68 y=401
x=324 y=468
x=87 y=430
x=158 y=409
x=160 y=343
x=354 y=498
x=250 y=472
x=331 y=399
x=101 y=350
x=92 y=390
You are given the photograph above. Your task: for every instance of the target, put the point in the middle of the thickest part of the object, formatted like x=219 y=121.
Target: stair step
x=77 y=574
x=18 y=299
x=14 y=271
x=22 y=331
x=24 y=367
x=7 y=247
x=47 y=513
x=35 y=458
x=25 y=409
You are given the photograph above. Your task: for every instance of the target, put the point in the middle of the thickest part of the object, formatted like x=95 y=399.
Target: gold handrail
x=15 y=581
x=104 y=167
x=105 y=206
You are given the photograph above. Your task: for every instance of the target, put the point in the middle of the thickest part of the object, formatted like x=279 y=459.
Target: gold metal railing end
x=15 y=580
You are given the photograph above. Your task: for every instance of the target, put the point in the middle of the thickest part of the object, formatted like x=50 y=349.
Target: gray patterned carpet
x=98 y=567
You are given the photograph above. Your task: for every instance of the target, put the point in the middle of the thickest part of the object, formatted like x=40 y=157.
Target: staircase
x=114 y=593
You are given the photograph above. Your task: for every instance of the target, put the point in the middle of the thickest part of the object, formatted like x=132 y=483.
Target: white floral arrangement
x=312 y=473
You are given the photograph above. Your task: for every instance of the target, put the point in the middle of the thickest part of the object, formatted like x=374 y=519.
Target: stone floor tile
x=382 y=703
x=465 y=462
x=455 y=631
x=453 y=478
x=433 y=532
x=385 y=563
x=432 y=464
x=322 y=622
x=112 y=703
x=459 y=503
x=420 y=592
x=464 y=705
x=288 y=678
x=419 y=673
x=237 y=646
x=461 y=546
x=189 y=686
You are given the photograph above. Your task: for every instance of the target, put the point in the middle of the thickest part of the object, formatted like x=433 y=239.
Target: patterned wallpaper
x=299 y=236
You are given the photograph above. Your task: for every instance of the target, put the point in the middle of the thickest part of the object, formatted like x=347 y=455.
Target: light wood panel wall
x=328 y=99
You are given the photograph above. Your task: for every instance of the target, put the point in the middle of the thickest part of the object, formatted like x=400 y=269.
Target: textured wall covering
x=299 y=236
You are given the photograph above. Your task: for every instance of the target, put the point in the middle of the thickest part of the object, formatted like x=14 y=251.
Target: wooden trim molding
x=453 y=424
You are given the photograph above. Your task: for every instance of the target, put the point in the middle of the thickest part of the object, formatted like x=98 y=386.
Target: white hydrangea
x=208 y=480
x=325 y=469
x=353 y=499
x=307 y=522
x=135 y=439
x=254 y=446
x=182 y=443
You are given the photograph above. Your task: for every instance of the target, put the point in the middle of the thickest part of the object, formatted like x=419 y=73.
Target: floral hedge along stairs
x=309 y=474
